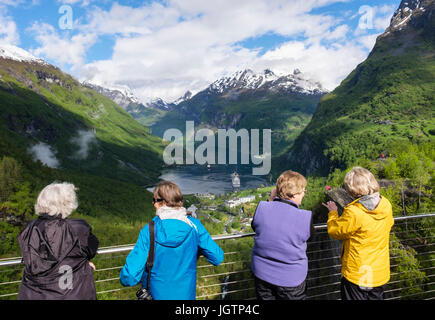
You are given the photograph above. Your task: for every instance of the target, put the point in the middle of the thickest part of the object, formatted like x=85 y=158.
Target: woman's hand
x=272 y=194
x=92 y=266
x=330 y=205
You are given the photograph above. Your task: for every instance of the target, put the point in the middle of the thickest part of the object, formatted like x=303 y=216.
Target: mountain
x=122 y=96
x=49 y=116
x=250 y=100
x=387 y=98
x=183 y=98
x=145 y=113
x=266 y=81
x=52 y=128
x=10 y=52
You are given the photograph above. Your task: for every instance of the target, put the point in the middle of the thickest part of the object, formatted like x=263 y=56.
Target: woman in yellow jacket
x=364 y=228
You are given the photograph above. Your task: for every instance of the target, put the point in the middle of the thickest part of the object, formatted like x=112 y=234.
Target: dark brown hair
x=169 y=192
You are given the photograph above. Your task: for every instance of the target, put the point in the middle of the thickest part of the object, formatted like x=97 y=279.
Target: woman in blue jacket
x=179 y=240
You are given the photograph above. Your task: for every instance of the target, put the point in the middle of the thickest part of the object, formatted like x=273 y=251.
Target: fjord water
x=215 y=180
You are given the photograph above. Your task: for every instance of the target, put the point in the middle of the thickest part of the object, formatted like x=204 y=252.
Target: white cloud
x=329 y=65
x=83 y=140
x=44 y=153
x=72 y=2
x=63 y=49
x=13 y=3
x=140 y=20
x=163 y=50
x=378 y=19
x=383 y=18
x=368 y=41
x=8 y=30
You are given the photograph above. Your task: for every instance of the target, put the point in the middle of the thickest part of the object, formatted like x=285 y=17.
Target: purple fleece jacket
x=280 y=243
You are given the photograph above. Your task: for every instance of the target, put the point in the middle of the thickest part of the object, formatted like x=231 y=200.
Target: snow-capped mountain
x=183 y=98
x=407 y=12
x=126 y=99
x=121 y=95
x=159 y=103
x=267 y=80
x=247 y=99
x=15 y=53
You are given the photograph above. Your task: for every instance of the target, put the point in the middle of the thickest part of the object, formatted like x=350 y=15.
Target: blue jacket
x=178 y=245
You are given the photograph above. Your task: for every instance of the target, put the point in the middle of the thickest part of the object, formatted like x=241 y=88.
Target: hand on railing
x=92 y=266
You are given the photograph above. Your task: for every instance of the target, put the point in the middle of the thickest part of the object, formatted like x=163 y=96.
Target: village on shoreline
x=228 y=213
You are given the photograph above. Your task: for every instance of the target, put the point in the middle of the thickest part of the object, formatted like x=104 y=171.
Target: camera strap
x=150 y=260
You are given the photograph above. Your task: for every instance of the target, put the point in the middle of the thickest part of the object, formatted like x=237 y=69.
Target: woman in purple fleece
x=279 y=260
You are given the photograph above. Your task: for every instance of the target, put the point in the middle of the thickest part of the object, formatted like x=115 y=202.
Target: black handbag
x=145 y=293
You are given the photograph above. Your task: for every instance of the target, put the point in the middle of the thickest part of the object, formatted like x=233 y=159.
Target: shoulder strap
x=150 y=260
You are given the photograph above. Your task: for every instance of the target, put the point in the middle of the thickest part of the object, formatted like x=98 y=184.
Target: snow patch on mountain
x=183 y=98
x=14 y=53
x=404 y=13
x=248 y=79
x=121 y=95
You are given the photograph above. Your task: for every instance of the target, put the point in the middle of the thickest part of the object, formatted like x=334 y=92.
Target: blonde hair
x=169 y=192
x=57 y=198
x=360 y=182
x=290 y=183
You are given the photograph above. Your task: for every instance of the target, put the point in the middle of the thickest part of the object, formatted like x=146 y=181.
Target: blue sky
x=164 y=48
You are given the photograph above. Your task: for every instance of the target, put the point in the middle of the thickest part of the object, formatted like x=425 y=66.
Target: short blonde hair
x=290 y=183
x=57 y=198
x=359 y=182
x=169 y=192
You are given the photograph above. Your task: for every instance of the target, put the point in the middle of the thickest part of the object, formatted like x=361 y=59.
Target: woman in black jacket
x=57 y=251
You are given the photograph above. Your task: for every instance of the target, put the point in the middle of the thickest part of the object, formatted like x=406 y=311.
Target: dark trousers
x=351 y=291
x=268 y=291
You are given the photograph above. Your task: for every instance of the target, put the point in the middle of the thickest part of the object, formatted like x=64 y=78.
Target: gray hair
x=57 y=198
x=360 y=182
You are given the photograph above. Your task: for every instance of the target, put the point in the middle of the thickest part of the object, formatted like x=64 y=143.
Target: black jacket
x=56 y=253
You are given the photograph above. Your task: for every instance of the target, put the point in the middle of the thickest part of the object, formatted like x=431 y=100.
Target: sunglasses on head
x=157 y=200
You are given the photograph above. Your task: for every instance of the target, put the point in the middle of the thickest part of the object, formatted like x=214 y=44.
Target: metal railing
x=411 y=262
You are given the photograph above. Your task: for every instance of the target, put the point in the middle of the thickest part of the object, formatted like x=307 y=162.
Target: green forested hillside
x=284 y=112
x=87 y=140
x=389 y=97
x=39 y=103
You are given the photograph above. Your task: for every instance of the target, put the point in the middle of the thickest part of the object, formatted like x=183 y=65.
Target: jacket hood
x=46 y=242
x=371 y=201
x=173 y=226
x=375 y=205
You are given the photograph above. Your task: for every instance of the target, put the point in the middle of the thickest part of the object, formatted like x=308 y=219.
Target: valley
x=109 y=144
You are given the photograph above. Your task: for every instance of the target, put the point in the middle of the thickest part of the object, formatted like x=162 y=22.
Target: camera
x=143 y=294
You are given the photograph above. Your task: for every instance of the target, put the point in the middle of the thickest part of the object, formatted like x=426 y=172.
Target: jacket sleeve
x=312 y=230
x=208 y=247
x=253 y=218
x=342 y=227
x=92 y=245
x=134 y=268
x=88 y=241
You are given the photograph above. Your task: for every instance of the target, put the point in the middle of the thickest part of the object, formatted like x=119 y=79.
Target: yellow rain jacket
x=365 y=247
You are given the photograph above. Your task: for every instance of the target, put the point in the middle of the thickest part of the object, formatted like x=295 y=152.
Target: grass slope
x=35 y=108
